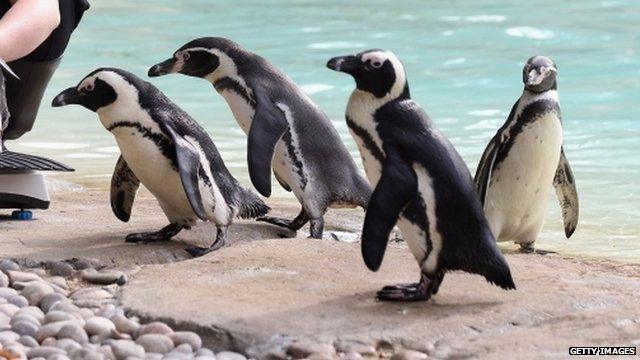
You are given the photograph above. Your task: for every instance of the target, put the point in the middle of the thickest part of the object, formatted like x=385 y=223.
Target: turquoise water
x=463 y=59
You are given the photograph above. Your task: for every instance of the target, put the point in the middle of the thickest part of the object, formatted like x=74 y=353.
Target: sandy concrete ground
x=256 y=296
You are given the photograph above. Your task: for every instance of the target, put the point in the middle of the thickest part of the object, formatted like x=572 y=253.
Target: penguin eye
x=186 y=55
x=89 y=87
x=376 y=64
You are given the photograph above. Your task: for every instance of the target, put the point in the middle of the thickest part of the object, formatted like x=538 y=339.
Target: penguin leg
x=316 y=228
x=421 y=291
x=527 y=248
x=163 y=234
x=221 y=240
x=294 y=224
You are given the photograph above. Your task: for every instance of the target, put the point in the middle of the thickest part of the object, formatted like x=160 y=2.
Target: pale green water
x=463 y=60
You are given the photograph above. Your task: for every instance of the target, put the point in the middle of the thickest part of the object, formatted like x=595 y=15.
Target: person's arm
x=27 y=25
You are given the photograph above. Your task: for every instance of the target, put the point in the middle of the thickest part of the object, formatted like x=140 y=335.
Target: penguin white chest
x=242 y=111
x=517 y=196
x=155 y=172
x=362 y=126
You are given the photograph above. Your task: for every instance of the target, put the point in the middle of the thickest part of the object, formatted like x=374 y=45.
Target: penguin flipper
x=268 y=125
x=397 y=186
x=124 y=186
x=189 y=166
x=485 y=167
x=488 y=159
x=565 y=186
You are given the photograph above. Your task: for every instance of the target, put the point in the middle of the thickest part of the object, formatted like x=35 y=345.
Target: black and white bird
x=421 y=182
x=524 y=159
x=286 y=129
x=163 y=148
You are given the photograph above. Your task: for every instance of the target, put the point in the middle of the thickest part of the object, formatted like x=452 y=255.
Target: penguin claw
x=144 y=238
x=400 y=287
x=406 y=294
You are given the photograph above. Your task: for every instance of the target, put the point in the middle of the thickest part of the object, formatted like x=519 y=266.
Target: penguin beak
x=346 y=64
x=163 y=68
x=67 y=97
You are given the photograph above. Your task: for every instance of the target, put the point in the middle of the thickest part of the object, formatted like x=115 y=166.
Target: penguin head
x=539 y=74
x=104 y=89
x=203 y=57
x=377 y=72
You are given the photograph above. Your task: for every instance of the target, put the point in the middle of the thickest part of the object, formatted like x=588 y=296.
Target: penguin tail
x=494 y=266
x=251 y=206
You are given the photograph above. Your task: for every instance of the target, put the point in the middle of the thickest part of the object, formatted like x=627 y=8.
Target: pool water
x=463 y=59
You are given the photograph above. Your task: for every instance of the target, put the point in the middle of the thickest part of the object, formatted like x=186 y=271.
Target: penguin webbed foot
x=294 y=225
x=164 y=234
x=221 y=241
x=528 y=248
x=420 y=291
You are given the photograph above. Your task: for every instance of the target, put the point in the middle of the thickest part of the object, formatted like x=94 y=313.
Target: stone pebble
x=17 y=276
x=155 y=327
x=409 y=355
x=187 y=337
x=4 y=280
x=7 y=265
x=36 y=290
x=104 y=277
x=122 y=349
x=60 y=268
x=98 y=326
x=74 y=332
x=124 y=324
x=155 y=343
x=230 y=355
x=49 y=300
x=304 y=348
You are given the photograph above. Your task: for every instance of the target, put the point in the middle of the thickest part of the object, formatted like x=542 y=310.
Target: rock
x=99 y=325
x=184 y=348
x=320 y=356
x=86 y=354
x=74 y=332
x=187 y=337
x=4 y=319
x=60 y=268
x=409 y=355
x=17 y=349
x=57 y=315
x=51 y=330
x=6 y=293
x=8 y=336
x=58 y=281
x=18 y=300
x=44 y=351
x=4 y=280
x=35 y=291
x=107 y=352
x=28 y=341
x=202 y=357
x=65 y=306
x=230 y=355
x=204 y=352
x=67 y=345
x=104 y=277
x=86 y=313
x=7 y=265
x=152 y=356
x=58 y=357
x=156 y=343
x=155 y=327
x=21 y=317
x=85 y=263
x=123 y=349
x=32 y=311
x=22 y=277
x=346 y=346
x=8 y=309
x=352 y=355
x=125 y=325
x=47 y=302
x=27 y=328
x=303 y=348
x=91 y=297
x=36 y=269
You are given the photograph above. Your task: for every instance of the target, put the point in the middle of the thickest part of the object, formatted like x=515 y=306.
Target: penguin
x=286 y=130
x=524 y=159
x=163 y=148
x=420 y=182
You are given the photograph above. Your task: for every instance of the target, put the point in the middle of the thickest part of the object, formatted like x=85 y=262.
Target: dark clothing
x=23 y=96
x=52 y=48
